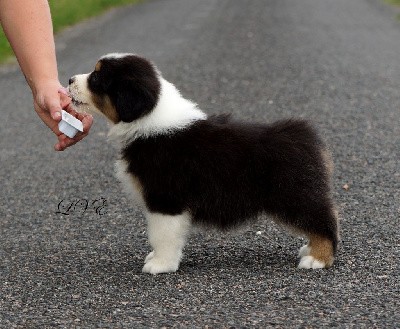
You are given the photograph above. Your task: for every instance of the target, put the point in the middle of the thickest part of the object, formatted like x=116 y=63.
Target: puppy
x=185 y=168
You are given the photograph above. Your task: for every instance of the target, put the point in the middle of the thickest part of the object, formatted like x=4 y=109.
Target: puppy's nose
x=71 y=80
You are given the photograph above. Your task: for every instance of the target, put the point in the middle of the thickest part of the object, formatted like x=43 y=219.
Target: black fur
x=213 y=171
x=131 y=83
x=225 y=173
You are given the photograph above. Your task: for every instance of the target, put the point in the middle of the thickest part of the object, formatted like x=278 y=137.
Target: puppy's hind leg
x=167 y=236
x=318 y=253
x=322 y=245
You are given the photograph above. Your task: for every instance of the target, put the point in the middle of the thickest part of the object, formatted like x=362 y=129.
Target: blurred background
x=66 y=13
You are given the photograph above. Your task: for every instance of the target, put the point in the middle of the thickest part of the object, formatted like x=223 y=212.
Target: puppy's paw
x=149 y=257
x=156 y=265
x=310 y=262
x=317 y=256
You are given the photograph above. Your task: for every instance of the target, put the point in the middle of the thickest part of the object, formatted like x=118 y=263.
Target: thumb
x=55 y=110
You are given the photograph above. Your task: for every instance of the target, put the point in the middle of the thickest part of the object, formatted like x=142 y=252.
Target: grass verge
x=393 y=2
x=66 y=13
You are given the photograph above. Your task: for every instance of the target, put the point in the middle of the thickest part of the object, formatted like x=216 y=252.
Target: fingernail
x=57 y=115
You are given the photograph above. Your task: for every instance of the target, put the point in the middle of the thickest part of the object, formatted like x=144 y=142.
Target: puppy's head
x=123 y=87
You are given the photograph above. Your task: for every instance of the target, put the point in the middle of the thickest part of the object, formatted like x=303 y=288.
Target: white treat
x=69 y=125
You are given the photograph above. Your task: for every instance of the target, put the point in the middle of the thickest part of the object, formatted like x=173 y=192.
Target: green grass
x=5 y=48
x=393 y=2
x=66 y=13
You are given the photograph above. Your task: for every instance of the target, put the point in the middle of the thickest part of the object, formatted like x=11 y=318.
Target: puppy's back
x=226 y=172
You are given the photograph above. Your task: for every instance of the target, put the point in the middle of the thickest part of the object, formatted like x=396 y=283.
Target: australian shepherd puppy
x=186 y=168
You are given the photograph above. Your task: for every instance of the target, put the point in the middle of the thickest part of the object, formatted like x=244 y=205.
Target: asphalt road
x=334 y=62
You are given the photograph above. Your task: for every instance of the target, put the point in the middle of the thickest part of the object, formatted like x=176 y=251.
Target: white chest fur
x=130 y=182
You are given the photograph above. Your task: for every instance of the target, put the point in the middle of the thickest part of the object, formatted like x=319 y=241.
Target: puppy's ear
x=134 y=101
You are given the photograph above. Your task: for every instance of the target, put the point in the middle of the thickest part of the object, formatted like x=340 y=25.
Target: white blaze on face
x=80 y=94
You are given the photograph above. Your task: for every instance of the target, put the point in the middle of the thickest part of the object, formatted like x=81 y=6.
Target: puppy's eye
x=93 y=77
x=94 y=81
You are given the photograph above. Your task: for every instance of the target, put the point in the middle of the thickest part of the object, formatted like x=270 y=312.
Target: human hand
x=48 y=102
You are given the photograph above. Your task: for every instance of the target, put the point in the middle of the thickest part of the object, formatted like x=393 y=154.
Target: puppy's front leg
x=167 y=237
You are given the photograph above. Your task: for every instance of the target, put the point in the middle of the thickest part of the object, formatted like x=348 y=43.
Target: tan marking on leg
x=321 y=249
x=327 y=158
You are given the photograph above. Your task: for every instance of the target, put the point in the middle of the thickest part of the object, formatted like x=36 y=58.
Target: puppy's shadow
x=239 y=259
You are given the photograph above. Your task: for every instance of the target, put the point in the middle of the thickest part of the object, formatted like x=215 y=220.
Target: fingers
x=87 y=119
x=47 y=119
x=54 y=108
x=64 y=141
x=48 y=105
x=65 y=100
x=63 y=91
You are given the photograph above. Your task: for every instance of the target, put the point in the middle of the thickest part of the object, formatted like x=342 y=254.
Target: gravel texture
x=333 y=62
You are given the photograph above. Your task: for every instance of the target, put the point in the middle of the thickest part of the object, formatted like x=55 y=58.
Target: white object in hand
x=69 y=125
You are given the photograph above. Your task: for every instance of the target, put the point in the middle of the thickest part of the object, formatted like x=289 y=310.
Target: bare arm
x=28 y=26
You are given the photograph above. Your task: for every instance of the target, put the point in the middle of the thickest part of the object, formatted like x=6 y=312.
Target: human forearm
x=27 y=25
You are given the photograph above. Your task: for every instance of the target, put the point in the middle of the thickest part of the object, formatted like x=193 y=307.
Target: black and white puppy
x=185 y=168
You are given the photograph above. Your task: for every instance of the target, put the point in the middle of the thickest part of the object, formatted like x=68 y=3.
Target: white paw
x=304 y=251
x=310 y=262
x=158 y=265
x=149 y=257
